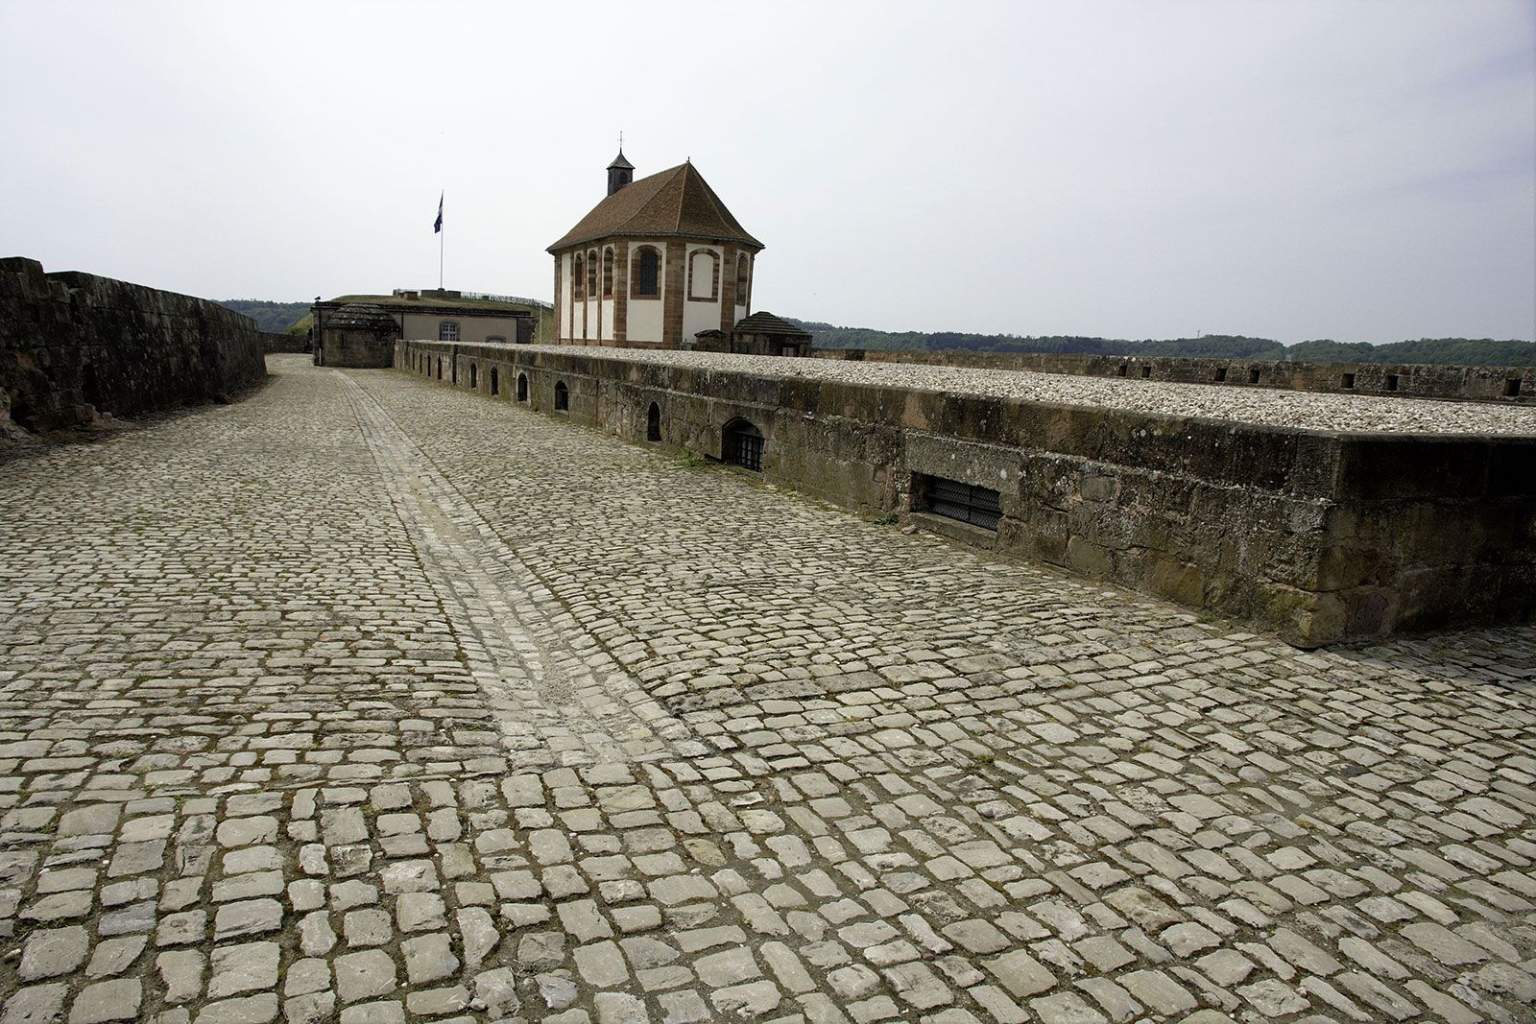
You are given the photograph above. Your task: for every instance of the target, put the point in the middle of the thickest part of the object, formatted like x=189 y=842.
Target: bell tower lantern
x=620 y=173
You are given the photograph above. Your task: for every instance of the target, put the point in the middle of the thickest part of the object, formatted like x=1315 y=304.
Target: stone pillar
x=556 y=338
x=620 y=293
x=728 y=289
x=672 y=312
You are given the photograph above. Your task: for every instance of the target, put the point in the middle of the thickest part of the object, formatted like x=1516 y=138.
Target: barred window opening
x=742 y=445
x=954 y=499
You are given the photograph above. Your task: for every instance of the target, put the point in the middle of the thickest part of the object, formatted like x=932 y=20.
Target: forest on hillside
x=1467 y=351
x=269 y=316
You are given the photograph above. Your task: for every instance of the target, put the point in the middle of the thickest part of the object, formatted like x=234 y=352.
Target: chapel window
x=647 y=273
x=703 y=275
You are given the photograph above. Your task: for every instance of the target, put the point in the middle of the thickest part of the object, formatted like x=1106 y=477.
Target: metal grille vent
x=979 y=506
x=743 y=446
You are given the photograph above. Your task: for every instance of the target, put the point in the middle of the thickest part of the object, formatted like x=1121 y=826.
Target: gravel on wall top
x=1239 y=404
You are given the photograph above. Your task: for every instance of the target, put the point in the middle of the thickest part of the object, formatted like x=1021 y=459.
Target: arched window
x=653 y=423
x=448 y=330
x=472 y=375
x=647 y=273
x=703 y=276
x=562 y=396
x=592 y=273
x=741 y=444
x=495 y=383
x=522 y=387
x=577 y=277
x=439 y=367
x=743 y=278
x=608 y=272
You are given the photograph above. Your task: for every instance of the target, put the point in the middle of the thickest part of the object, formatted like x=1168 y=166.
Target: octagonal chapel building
x=653 y=264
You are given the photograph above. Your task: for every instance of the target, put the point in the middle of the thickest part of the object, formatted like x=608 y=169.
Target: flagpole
x=441 y=237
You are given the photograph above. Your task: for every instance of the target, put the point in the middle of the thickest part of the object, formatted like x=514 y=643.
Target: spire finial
x=621 y=140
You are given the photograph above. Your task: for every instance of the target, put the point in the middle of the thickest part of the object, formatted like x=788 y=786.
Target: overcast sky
x=1356 y=170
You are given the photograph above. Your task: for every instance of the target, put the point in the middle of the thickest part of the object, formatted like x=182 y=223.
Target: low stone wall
x=273 y=342
x=1404 y=380
x=1317 y=536
x=73 y=345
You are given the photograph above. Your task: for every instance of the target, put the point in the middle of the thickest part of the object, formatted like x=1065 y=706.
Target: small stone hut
x=763 y=334
x=357 y=334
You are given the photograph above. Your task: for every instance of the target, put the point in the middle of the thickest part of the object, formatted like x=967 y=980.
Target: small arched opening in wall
x=495 y=382
x=741 y=444
x=474 y=375
x=439 y=367
x=653 y=423
x=562 y=396
x=522 y=387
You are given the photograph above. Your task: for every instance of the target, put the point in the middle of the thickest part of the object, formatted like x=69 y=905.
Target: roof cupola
x=620 y=173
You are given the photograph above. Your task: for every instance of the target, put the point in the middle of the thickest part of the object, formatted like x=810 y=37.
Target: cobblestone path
x=371 y=701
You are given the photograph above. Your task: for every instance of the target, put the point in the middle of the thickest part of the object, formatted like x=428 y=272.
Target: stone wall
x=355 y=347
x=1406 y=380
x=73 y=345
x=1317 y=536
x=273 y=341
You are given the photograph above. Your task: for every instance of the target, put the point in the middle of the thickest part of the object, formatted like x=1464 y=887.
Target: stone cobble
x=365 y=700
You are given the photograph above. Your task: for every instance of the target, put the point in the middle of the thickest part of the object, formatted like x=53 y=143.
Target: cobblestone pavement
x=368 y=700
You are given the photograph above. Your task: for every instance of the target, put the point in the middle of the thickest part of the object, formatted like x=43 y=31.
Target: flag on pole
x=437 y=225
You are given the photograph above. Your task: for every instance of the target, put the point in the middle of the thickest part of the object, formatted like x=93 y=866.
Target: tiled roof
x=767 y=323
x=367 y=316
x=674 y=203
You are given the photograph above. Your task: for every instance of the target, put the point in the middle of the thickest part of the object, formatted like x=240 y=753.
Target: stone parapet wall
x=75 y=345
x=274 y=342
x=1403 y=380
x=1317 y=536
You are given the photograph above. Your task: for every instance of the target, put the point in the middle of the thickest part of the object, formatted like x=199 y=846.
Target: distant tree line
x=1455 y=351
x=284 y=316
x=1466 y=351
x=276 y=317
